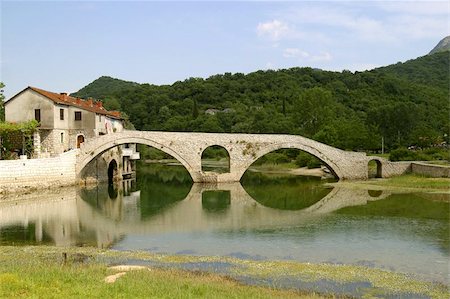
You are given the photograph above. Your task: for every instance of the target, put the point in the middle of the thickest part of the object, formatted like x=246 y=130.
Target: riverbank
x=59 y=272
x=268 y=168
x=288 y=170
x=403 y=183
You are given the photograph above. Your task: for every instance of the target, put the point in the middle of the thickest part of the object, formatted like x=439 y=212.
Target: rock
x=114 y=277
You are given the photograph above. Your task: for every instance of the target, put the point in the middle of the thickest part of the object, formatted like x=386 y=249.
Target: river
x=274 y=217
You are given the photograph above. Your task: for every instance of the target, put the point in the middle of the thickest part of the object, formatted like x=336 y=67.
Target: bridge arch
x=331 y=165
x=102 y=144
x=377 y=172
x=222 y=150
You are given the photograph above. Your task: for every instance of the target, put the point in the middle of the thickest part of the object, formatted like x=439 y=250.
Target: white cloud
x=295 y=53
x=305 y=56
x=322 y=56
x=376 y=22
x=274 y=30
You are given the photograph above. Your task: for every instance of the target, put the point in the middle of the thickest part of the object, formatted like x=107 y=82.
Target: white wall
x=61 y=124
x=38 y=173
x=22 y=109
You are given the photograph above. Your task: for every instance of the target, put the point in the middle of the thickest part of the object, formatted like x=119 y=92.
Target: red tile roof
x=64 y=99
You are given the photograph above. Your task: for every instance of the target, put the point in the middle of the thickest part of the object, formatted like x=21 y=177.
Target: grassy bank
x=407 y=182
x=42 y=272
x=45 y=272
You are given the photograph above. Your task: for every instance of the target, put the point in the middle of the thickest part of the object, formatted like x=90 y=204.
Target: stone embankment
x=431 y=170
x=31 y=174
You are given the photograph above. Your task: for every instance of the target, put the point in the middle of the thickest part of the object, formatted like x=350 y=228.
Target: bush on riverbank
x=306 y=160
x=430 y=154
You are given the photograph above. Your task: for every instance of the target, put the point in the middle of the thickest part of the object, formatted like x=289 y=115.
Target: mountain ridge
x=443 y=45
x=404 y=103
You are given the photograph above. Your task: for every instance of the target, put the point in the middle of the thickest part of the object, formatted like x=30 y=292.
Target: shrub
x=306 y=160
x=402 y=154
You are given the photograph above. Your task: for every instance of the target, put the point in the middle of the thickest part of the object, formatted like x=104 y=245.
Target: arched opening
x=161 y=165
x=287 y=179
x=216 y=159
x=80 y=140
x=375 y=169
x=151 y=158
x=112 y=171
x=291 y=161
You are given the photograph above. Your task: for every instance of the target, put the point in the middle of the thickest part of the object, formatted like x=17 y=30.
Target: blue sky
x=62 y=46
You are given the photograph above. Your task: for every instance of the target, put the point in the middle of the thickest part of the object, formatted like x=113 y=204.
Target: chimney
x=78 y=101
x=64 y=95
x=89 y=102
x=99 y=104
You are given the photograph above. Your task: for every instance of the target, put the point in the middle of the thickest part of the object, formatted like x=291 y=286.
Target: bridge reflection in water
x=101 y=216
x=282 y=218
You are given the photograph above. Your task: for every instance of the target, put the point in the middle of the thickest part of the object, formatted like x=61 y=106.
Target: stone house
x=66 y=122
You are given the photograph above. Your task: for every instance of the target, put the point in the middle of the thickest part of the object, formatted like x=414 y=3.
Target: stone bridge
x=243 y=150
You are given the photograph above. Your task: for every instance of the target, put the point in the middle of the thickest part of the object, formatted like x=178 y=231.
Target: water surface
x=286 y=217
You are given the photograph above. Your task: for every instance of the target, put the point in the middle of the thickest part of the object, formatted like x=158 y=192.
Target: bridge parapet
x=243 y=149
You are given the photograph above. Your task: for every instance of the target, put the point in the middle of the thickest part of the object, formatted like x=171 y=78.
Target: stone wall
x=435 y=171
x=390 y=169
x=17 y=175
x=243 y=150
x=97 y=169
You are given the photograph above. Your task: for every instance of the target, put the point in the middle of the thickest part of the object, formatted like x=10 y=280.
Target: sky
x=62 y=46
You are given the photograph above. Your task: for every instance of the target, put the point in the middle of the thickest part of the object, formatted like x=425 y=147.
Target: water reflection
x=284 y=192
x=216 y=202
x=295 y=218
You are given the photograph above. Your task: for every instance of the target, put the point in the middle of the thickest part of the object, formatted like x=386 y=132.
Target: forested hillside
x=406 y=103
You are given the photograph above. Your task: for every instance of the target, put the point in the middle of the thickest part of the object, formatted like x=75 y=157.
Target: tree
x=2 y=106
x=195 y=109
x=313 y=109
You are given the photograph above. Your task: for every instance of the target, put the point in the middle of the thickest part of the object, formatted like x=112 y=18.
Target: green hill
x=430 y=70
x=103 y=87
x=406 y=103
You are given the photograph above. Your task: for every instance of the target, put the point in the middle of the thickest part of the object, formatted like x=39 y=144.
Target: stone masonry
x=243 y=150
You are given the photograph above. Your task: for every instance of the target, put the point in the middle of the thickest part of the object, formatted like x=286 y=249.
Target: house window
x=61 y=114
x=37 y=114
x=77 y=115
x=62 y=137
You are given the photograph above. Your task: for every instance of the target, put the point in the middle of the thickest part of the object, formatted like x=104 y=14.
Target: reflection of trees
x=285 y=193
x=163 y=174
x=410 y=206
x=23 y=235
x=162 y=186
x=216 y=202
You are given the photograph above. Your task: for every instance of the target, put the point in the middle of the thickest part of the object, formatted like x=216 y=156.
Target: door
x=80 y=140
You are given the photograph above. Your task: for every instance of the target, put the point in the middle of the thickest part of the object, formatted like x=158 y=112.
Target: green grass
x=39 y=272
x=403 y=183
x=413 y=181
x=386 y=156
x=42 y=272
x=274 y=167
